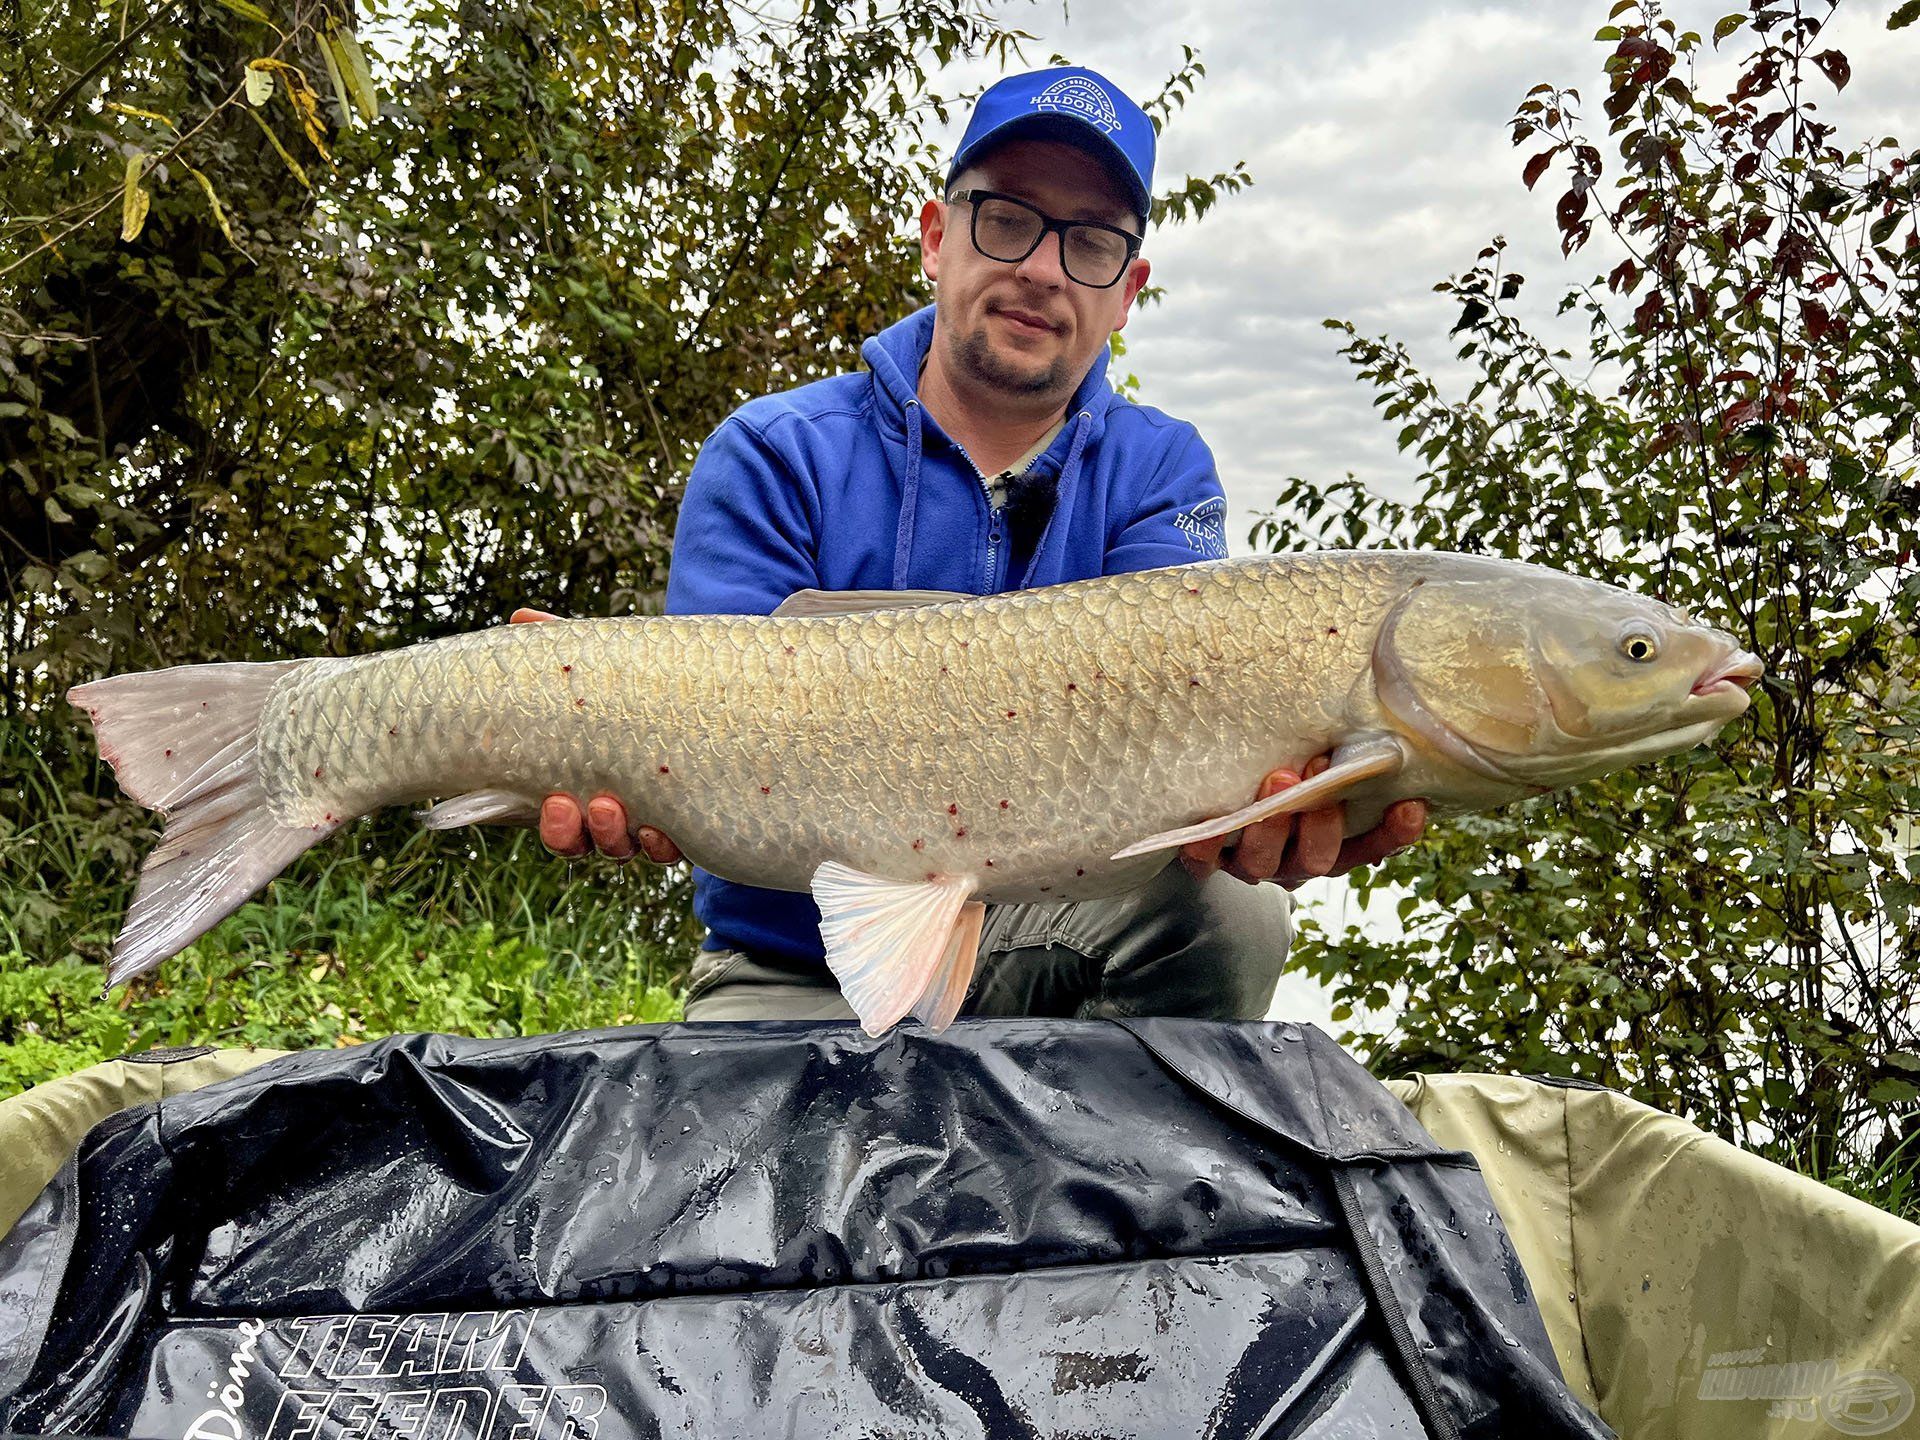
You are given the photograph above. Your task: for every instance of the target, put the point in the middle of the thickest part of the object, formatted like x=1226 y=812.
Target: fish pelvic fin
x=481 y=807
x=898 y=947
x=183 y=741
x=1368 y=759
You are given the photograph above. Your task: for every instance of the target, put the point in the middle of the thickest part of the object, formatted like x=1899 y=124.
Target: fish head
x=1541 y=679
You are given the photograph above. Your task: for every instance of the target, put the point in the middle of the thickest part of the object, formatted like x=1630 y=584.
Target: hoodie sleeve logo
x=1204 y=527
x=1077 y=95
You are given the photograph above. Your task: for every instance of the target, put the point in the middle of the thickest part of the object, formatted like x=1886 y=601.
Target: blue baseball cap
x=1078 y=106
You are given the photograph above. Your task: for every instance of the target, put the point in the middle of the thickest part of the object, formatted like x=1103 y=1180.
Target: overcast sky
x=1377 y=138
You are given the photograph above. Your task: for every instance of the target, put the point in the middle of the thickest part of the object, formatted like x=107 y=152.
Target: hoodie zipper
x=996 y=503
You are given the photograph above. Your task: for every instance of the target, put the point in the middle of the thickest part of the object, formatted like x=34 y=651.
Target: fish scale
x=915 y=756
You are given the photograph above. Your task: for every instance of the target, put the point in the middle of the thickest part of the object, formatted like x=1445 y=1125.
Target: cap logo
x=1077 y=95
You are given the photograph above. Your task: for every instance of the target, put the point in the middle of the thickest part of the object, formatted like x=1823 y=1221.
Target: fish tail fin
x=183 y=741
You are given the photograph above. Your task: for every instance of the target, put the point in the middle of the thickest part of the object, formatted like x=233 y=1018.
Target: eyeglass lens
x=1007 y=231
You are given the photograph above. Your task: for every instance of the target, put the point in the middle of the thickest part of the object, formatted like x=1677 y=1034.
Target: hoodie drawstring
x=1063 y=489
x=909 y=498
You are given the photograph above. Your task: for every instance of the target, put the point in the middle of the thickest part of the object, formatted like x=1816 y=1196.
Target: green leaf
x=358 y=77
x=281 y=150
x=259 y=84
x=337 y=78
x=247 y=10
x=213 y=203
x=1904 y=15
x=134 y=199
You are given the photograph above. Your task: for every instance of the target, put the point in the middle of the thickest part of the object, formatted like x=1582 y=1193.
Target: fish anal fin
x=857 y=602
x=481 y=807
x=940 y=1002
x=888 y=941
x=1364 y=760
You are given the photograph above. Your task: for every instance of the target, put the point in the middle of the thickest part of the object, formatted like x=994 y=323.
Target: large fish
x=909 y=756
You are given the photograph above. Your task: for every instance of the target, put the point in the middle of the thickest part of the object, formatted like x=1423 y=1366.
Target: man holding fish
x=983 y=452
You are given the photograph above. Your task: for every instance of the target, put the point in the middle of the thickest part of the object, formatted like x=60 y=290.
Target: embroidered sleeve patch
x=1205 y=527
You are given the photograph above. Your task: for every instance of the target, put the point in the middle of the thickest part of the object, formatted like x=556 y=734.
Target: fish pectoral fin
x=858 y=602
x=481 y=807
x=1363 y=760
x=898 y=947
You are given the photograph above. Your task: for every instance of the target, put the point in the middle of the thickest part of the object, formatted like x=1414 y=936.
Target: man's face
x=1025 y=329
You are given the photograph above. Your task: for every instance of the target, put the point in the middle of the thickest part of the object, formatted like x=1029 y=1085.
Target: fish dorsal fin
x=898 y=947
x=857 y=602
x=1366 y=760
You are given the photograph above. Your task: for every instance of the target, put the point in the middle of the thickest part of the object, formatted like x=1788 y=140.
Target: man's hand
x=565 y=831
x=1294 y=848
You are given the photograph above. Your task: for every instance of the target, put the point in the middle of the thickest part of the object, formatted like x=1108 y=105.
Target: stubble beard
x=974 y=355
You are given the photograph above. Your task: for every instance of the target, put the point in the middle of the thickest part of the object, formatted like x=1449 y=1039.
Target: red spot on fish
x=393 y=729
x=932 y=876
x=919 y=844
x=1079 y=872
x=953 y=809
x=663 y=769
x=316 y=772
x=169 y=752
x=581 y=703
x=329 y=815
x=203 y=704
x=766 y=790
x=989 y=862
x=566 y=669
x=1192 y=680
x=1005 y=803
x=961 y=831
x=1072 y=686
x=1333 y=629
x=965 y=643
x=1012 y=713
x=1193 y=589
x=943 y=669
x=787 y=648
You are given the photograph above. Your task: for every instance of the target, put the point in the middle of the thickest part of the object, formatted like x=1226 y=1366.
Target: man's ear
x=933 y=229
x=1130 y=287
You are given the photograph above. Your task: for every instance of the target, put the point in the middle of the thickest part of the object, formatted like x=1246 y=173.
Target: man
x=984 y=451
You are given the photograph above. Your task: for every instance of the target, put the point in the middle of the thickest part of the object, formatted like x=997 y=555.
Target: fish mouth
x=1739 y=671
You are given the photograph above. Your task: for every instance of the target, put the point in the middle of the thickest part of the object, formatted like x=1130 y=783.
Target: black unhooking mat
x=1016 y=1228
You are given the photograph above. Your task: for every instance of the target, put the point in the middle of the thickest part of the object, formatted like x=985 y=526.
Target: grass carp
x=910 y=756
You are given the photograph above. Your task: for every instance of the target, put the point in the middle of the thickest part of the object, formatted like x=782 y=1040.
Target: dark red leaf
x=1623 y=277
x=1647 y=316
x=1835 y=67
x=1572 y=206
x=1537 y=166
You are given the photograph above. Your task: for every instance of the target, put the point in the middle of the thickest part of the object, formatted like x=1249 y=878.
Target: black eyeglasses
x=1009 y=230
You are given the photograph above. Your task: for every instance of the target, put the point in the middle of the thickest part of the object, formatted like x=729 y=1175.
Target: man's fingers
x=527 y=616
x=1262 y=845
x=1401 y=825
x=1202 y=857
x=562 y=828
x=659 y=848
x=1317 y=845
x=607 y=820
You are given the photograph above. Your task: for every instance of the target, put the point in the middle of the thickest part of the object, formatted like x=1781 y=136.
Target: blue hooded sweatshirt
x=848 y=484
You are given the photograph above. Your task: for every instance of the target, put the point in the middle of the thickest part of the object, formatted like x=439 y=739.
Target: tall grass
x=386 y=928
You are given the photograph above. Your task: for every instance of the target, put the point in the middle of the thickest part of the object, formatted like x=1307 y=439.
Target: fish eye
x=1639 y=645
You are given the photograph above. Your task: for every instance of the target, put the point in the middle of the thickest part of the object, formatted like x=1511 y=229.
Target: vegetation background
x=326 y=327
